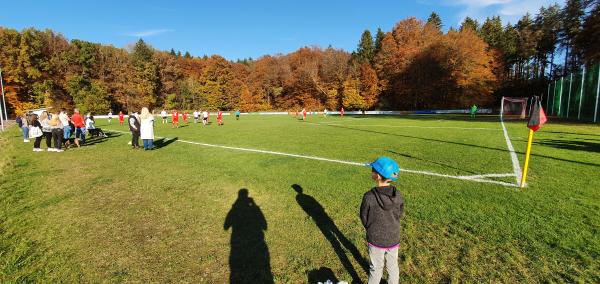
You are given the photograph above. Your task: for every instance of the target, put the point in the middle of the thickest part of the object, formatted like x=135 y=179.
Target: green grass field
x=197 y=213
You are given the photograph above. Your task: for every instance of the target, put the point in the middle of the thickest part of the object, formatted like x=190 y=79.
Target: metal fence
x=576 y=96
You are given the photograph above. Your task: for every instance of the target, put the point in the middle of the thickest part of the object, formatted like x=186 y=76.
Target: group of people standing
x=57 y=128
x=205 y=115
x=142 y=126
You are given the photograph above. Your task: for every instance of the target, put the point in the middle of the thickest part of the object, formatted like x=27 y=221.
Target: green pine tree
x=435 y=20
x=572 y=19
x=470 y=23
x=366 y=48
x=492 y=31
x=378 y=39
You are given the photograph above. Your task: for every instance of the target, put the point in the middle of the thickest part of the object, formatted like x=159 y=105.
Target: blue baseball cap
x=386 y=167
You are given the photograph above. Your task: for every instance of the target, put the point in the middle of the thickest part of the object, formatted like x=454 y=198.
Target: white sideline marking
x=492 y=175
x=478 y=178
x=405 y=126
x=513 y=155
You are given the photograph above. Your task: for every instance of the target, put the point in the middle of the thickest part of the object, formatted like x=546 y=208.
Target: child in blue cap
x=380 y=213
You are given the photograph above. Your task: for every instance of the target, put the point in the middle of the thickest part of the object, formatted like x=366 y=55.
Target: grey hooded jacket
x=380 y=213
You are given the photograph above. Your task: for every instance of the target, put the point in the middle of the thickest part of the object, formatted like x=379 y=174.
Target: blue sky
x=240 y=29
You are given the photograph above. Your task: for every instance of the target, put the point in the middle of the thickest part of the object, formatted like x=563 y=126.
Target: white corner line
x=478 y=178
x=513 y=155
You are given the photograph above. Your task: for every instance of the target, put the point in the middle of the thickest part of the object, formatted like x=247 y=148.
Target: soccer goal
x=513 y=108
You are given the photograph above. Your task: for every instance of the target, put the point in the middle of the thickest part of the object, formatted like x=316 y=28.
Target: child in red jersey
x=121 y=118
x=175 y=119
x=219 y=117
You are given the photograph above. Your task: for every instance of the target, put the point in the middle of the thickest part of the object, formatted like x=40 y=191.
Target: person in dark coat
x=134 y=127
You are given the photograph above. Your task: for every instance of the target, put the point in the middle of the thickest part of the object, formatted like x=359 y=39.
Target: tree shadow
x=457 y=143
x=571 y=145
x=164 y=142
x=333 y=234
x=431 y=162
x=321 y=275
x=572 y=133
x=249 y=259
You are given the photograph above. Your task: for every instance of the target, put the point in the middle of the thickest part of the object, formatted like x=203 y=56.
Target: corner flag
x=537 y=118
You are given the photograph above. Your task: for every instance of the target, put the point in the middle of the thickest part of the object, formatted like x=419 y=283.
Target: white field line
x=513 y=155
x=491 y=175
x=479 y=178
x=404 y=126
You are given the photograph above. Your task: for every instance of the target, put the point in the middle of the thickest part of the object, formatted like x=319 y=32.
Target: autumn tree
x=351 y=98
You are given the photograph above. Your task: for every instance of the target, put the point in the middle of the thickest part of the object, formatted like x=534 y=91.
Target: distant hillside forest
x=414 y=66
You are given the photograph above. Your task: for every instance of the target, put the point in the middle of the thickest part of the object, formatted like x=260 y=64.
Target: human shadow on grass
x=164 y=142
x=97 y=139
x=457 y=143
x=249 y=260
x=333 y=234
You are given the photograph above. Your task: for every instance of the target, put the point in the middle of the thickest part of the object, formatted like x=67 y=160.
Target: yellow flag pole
x=527 y=153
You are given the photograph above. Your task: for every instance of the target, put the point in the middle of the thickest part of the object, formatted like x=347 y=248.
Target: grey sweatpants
x=376 y=262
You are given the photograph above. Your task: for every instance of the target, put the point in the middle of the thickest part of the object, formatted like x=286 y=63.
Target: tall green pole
x=569 y=97
x=548 y=97
x=553 y=95
x=581 y=93
x=560 y=95
x=597 y=95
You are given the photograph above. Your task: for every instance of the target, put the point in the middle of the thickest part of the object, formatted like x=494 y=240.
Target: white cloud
x=148 y=33
x=509 y=10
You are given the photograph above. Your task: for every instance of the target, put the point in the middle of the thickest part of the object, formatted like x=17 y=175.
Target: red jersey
x=120 y=116
x=175 y=116
x=219 y=115
x=184 y=116
x=77 y=120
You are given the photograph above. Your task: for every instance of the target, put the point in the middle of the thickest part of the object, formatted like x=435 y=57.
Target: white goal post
x=514 y=107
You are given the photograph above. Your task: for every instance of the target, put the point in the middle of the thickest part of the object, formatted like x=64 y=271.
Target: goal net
x=513 y=108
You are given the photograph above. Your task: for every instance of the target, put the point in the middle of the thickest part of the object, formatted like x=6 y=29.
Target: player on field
x=204 y=117
x=473 y=110
x=121 y=118
x=196 y=115
x=174 y=119
x=163 y=114
x=219 y=117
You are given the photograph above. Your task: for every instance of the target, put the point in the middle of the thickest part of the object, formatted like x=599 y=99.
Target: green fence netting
x=575 y=96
